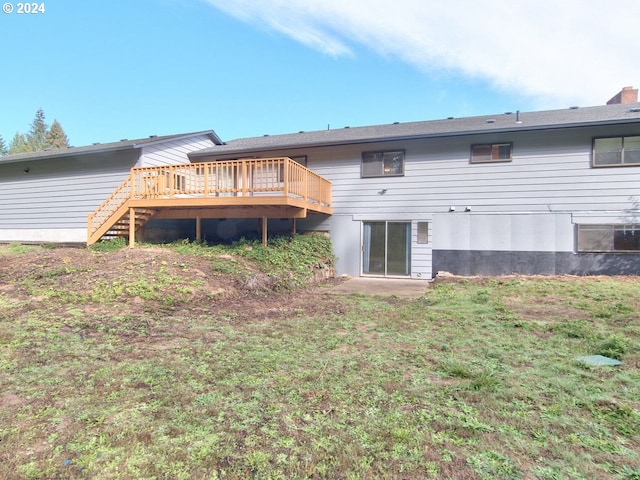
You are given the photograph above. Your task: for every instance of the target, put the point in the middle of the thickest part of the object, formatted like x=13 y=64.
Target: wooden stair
x=122 y=227
x=112 y=218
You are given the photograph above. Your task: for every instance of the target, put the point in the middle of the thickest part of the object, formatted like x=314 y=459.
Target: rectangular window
x=423 y=232
x=626 y=238
x=616 y=151
x=608 y=238
x=382 y=164
x=491 y=152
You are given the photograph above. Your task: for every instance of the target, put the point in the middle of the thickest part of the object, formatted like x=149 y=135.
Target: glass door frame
x=366 y=249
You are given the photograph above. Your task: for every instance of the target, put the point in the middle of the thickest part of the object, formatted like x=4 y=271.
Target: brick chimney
x=627 y=95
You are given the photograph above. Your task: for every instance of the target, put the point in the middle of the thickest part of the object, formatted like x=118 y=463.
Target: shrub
x=614 y=346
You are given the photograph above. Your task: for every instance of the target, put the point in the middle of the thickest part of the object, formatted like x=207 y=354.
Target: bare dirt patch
x=29 y=279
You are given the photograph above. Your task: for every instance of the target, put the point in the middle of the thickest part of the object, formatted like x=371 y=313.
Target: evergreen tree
x=55 y=137
x=37 y=136
x=3 y=147
x=40 y=137
x=19 y=144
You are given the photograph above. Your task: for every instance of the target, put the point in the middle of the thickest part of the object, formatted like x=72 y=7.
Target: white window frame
x=386 y=161
x=604 y=238
x=493 y=152
x=621 y=153
x=422 y=230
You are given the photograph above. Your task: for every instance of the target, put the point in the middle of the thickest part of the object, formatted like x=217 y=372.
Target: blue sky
x=108 y=70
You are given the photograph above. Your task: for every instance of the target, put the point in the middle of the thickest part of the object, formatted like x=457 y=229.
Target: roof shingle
x=504 y=122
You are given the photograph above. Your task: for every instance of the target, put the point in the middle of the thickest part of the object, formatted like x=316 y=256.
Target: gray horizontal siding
x=521 y=211
x=174 y=152
x=59 y=193
x=550 y=171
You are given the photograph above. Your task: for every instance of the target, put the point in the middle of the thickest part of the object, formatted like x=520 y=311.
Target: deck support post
x=293 y=227
x=198 y=229
x=132 y=227
x=264 y=231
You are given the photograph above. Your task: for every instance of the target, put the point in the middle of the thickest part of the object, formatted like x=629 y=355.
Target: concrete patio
x=398 y=287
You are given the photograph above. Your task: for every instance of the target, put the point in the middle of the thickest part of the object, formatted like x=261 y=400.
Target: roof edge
x=103 y=148
x=392 y=138
x=210 y=133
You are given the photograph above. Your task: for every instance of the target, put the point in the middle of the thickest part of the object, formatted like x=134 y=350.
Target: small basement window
x=423 y=232
x=616 y=151
x=608 y=238
x=491 y=152
x=382 y=164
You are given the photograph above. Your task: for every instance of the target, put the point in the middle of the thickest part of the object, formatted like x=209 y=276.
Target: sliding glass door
x=386 y=249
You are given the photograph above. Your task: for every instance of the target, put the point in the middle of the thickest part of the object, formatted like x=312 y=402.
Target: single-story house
x=549 y=192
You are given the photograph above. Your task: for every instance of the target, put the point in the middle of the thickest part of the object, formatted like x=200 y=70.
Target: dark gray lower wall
x=490 y=263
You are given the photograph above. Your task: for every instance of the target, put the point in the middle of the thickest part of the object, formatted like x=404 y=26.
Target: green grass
x=477 y=379
x=16 y=248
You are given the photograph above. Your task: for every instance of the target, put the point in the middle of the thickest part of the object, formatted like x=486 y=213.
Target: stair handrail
x=117 y=199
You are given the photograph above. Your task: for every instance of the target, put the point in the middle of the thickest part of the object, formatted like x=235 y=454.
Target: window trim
x=382 y=174
x=610 y=229
x=610 y=165
x=492 y=145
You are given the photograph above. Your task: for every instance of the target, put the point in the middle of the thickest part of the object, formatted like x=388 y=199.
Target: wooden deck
x=253 y=188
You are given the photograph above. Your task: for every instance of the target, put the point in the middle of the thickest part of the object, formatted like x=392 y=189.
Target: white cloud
x=570 y=51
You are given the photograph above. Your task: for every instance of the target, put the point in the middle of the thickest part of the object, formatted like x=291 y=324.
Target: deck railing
x=110 y=206
x=234 y=178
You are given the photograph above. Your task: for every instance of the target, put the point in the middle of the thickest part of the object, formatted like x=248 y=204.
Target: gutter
x=70 y=152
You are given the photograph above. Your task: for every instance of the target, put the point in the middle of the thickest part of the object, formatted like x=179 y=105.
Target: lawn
x=188 y=362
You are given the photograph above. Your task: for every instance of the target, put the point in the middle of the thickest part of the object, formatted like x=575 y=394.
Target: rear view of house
x=551 y=192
